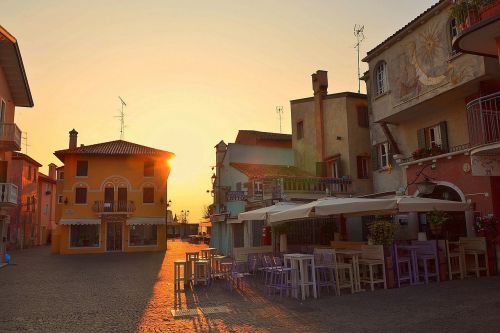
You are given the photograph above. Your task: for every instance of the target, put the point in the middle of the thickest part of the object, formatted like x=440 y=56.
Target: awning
x=146 y=220
x=418 y=204
x=263 y=213
x=79 y=221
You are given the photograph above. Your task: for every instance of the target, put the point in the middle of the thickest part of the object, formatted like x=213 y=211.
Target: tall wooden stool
x=202 y=271
x=191 y=258
x=178 y=276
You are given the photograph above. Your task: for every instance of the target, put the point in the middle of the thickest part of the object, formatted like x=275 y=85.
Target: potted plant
x=436 y=219
x=419 y=153
x=465 y=12
x=383 y=232
x=435 y=150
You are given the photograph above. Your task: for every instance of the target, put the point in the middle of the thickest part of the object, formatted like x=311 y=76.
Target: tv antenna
x=26 y=145
x=360 y=37
x=122 y=118
x=279 y=111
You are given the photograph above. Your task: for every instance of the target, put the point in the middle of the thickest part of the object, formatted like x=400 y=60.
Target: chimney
x=320 y=88
x=73 y=138
x=52 y=171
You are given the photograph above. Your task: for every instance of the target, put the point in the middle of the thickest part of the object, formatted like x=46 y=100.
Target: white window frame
x=381 y=82
x=433 y=136
x=258 y=187
x=383 y=156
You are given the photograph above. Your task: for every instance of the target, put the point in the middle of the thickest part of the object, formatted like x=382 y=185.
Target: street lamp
x=184 y=216
x=425 y=186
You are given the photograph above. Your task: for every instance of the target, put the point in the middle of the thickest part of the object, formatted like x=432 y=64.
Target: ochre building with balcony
x=111 y=197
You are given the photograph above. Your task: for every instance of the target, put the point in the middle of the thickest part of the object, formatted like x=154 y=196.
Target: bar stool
x=191 y=258
x=202 y=271
x=178 y=277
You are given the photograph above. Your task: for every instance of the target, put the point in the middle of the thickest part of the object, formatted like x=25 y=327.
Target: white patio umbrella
x=408 y=204
x=335 y=206
x=263 y=213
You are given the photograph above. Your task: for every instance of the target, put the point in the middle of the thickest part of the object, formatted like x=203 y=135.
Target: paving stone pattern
x=134 y=293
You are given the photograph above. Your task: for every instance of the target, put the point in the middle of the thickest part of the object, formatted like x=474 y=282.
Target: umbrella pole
x=343 y=228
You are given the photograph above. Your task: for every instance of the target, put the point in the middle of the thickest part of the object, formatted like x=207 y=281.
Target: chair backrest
x=454 y=247
x=426 y=247
x=347 y=245
x=266 y=261
x=318 y=257
x=328 y=258
x=372 y=252
x=192 y=256
x=277 y=261
x=473 y=243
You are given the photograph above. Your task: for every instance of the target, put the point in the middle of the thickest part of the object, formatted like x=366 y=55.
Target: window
x=82 y=168
x=60 y=175
x=149 y=168
x=143 y=235
x=257 y=231
x=47 y=188
x=363 y=120
x=381 y=155
x=434 y=137
x=148 y=195
x=333 y=168
x=3 y=108
x=453 y=33
x=381 y=84
x=33 y=206
x=81 y=195
x=46 y=209
x=238 y=235
x=362 y=164
x=257 y=187
x=60 y=199
x=86 y=235
x=300 y=130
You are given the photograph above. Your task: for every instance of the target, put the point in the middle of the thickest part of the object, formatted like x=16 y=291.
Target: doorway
x=114 y=236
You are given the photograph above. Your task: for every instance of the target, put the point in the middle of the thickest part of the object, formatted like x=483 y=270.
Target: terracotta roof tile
x=266 y=170
x=117 y=147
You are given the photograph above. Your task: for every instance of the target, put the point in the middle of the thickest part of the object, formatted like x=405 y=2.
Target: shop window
x=84 y=235
x=82 y=168
x=143 y=235
x=148 y=195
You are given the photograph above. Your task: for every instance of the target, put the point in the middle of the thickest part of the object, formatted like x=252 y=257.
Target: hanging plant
x=383 y=231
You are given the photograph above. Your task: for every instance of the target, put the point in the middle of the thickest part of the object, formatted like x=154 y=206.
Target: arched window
x=453 y=33
x=381 y=81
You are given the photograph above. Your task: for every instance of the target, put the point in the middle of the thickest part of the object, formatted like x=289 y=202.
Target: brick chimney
x=73 y=139
x=52 y=171
x=320 y=88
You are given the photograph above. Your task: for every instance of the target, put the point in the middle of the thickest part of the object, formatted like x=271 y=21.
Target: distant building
x=46 y=206
x=111 y=197
x=14 y=91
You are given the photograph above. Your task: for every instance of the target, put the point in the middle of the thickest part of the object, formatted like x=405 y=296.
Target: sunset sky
x=191 y=72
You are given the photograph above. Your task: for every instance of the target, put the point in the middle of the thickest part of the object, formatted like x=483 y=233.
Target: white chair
x=372 y=261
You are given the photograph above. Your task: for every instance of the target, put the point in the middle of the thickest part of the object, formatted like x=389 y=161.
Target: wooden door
x=122 y=199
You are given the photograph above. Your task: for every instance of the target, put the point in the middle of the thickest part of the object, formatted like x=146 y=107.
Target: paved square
x=134 y=293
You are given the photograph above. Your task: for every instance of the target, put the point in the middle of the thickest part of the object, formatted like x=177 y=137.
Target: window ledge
x=388 y=92
x=81 y=177
x=148 y=203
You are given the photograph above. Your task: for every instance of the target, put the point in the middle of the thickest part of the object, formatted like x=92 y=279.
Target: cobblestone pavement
x=134 y=292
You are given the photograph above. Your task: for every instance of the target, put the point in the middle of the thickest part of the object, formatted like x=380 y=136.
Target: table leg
x=302 y=286
x=313 y=267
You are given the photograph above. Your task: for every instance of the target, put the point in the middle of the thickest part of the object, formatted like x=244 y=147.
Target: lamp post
x=184 y=219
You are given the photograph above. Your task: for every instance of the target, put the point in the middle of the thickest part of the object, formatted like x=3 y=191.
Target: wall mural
x=423 y=63
x=485 y=165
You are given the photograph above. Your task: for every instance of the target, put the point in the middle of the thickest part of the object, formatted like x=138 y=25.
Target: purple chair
x=427 y=254
x=403 y=267
x=324 y=274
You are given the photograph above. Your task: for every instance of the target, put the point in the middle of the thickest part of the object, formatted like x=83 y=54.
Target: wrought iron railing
x=8 y=193
x=483 y=115
x=452 y=149
x=120 y=206
x=10 y=133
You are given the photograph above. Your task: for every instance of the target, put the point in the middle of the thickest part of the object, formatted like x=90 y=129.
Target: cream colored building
x=331 y=136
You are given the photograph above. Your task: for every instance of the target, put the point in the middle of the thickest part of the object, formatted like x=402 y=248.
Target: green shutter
x=421 y=138
x=444 y=136
x=375 y=158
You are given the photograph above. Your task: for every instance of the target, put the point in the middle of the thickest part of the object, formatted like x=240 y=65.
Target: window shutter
x=444 y=136
x=421 y=138
x=359 y=163
x=375 y=157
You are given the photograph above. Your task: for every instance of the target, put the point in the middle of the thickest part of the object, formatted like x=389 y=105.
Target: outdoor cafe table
x=354 y=255
x=298 y=261
x=412 y=250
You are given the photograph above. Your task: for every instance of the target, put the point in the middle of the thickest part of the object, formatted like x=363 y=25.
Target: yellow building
x=111 y=197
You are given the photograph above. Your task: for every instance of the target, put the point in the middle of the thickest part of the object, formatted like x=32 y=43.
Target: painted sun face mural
x=423 y=63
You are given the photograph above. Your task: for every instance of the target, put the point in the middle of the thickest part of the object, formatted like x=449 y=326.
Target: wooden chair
x=475 y=247
x=456 y=259
x=427 y=254
x=372 y=260
x=343 y=274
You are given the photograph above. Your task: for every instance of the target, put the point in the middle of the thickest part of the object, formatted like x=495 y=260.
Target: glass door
x=113 y=236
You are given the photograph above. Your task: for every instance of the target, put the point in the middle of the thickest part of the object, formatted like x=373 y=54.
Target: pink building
x=23 y=226
x=46 y=206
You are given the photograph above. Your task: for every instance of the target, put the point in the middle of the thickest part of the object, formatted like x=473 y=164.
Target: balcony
x=8 y=194
x=483 y=115
x=10 y=137
x=478 y=27
x=114 y=207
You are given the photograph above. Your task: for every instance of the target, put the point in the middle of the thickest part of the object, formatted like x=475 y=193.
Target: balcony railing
x=121 y=206
x=10 y=136
x=483 y=115
x=468 y=13
x=8 y=194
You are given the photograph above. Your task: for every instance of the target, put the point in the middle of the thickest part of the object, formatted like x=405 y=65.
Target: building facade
x=14 y=92
x=424 y=125
x=331 y=136
x=111 y=197
x=46 y=206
